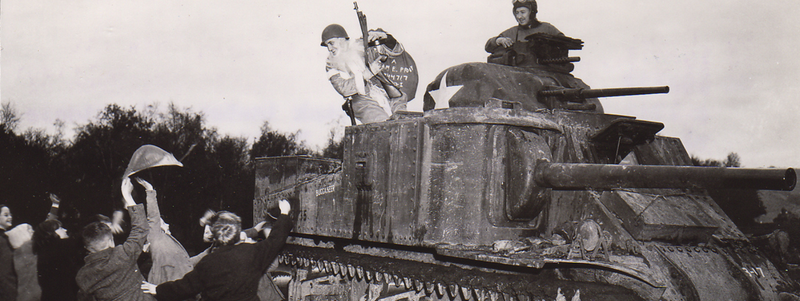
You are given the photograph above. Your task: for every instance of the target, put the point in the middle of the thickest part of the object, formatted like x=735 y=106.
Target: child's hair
x=206 y=220
x=45 y=234
x=95 y=233
x=103 y=218
x=226 y=227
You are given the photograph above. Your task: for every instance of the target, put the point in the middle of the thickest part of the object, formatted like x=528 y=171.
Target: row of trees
x=85 y=171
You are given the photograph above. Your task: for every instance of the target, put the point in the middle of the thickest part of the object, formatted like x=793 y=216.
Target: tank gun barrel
x=608 y=176
x=560 y=60
x=609 y=92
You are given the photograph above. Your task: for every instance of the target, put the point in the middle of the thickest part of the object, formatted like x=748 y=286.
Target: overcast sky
x=732 y=66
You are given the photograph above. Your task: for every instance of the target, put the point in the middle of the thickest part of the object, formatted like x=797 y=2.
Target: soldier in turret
x=525 y=13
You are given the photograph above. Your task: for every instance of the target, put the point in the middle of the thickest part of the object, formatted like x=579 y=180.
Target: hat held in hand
x=148 y=156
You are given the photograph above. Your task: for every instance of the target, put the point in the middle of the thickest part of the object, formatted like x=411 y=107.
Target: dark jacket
x=230 y=272
x=8 y=276
x=519 y=33
x=112 y=274
x=170 y=259
x=57 y=266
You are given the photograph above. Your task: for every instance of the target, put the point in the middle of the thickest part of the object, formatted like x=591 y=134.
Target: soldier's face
x=336 y=45
x=523 y=15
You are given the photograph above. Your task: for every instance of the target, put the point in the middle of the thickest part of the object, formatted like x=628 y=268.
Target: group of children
x=231 y=269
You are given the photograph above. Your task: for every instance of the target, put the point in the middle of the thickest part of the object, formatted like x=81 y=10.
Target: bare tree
x=9 y=117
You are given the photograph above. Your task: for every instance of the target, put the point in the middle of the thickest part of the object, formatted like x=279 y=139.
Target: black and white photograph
x=399 y=150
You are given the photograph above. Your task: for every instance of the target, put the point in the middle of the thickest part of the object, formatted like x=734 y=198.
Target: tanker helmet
x=333 y=31
x=530 y=4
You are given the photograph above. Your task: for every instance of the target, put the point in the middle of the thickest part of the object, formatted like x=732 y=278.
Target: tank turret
x=523 y=189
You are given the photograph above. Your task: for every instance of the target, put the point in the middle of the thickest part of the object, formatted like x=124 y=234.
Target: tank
x=522 y=189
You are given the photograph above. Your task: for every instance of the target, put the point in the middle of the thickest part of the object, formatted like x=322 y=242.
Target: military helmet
x=333 y=31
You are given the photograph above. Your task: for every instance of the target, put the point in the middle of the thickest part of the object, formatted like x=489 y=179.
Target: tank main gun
x=584 y=98
x=610 y=176
x=545 y=176
x=608 y=92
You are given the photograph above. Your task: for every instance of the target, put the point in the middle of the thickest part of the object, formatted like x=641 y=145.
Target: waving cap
x=148 y=156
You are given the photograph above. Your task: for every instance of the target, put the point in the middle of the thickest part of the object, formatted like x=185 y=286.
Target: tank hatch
x=620 y=137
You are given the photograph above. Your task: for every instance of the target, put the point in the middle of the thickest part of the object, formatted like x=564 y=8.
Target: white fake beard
x=351 y=61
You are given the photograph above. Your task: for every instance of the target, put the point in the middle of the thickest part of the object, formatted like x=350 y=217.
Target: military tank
x=522 y=189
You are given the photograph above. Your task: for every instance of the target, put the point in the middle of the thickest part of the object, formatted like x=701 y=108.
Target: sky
x=732 y=67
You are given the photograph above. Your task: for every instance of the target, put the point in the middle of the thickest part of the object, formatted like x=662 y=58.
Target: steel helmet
x=333 y=31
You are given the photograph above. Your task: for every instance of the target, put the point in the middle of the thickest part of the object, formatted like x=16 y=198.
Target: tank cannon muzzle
x=609 y=92
x=569 y=176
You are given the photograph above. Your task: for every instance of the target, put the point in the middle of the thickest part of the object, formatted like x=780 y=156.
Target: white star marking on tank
x=442 y=96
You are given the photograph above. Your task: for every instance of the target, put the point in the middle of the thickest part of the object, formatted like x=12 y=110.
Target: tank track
x=420 y=275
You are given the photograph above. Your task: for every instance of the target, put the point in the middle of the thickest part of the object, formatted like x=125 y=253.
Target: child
x=109 y=272
x=231 y=271
x=8 y=276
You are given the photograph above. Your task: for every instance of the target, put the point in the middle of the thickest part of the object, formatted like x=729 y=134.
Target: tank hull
x=450 y=196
